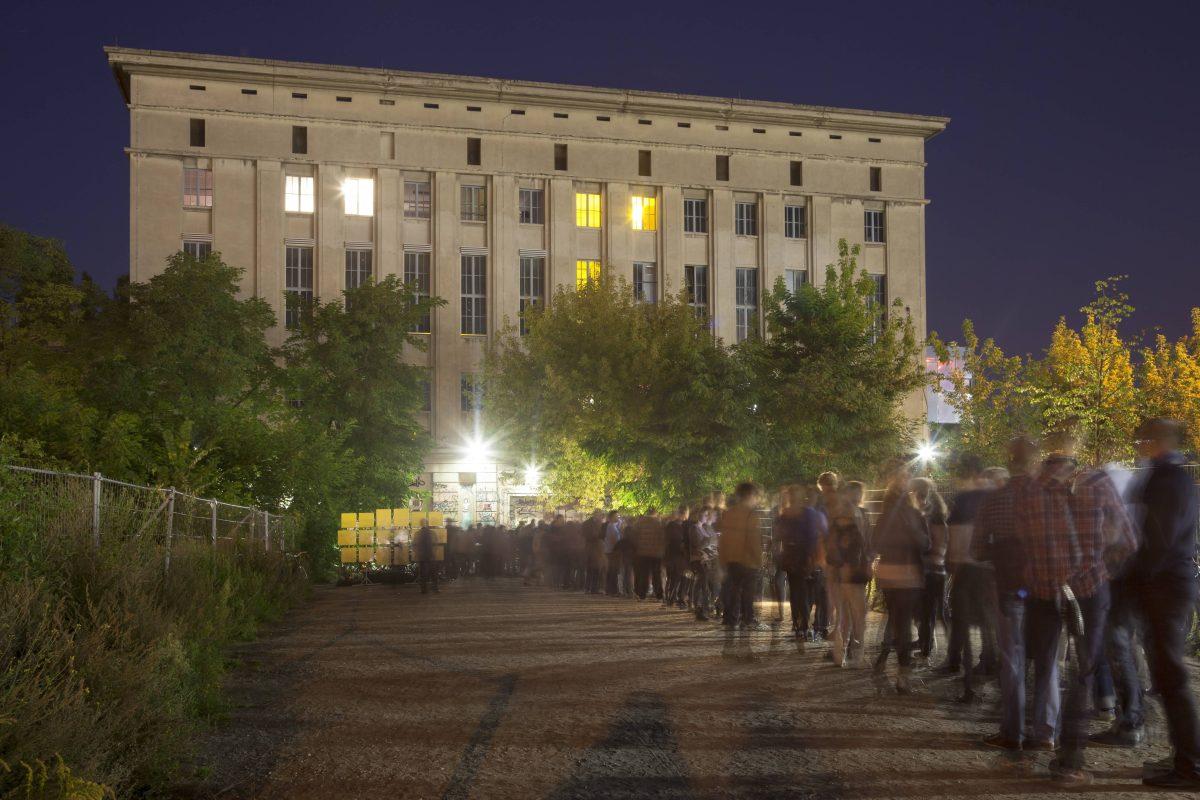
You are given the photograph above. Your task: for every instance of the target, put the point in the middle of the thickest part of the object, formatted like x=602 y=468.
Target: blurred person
x=1162 y=577
x=800 y=529
x=828 y=484
x=740 y=553
x=612 y=554
x=901 y=541
x=675 y=557
x=596 y=560
x=702 y=554
x=848 y=562
x=933 y=595
x=649 y=535
x=425 y=550
x=576 y=556
x=1070 y=518
x=525 y=551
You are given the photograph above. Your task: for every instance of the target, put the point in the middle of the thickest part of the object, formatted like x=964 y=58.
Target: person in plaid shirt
x=1070 y=519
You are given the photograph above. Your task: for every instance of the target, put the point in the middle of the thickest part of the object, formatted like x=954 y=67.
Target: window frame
x=300 y=195
x=690 y=217
x=298 y=280
x=197 y=187
x=418 y=274
x=588 y=208
x=531 y=287
x=874 y=226
x=357 y=272
x=354 y=192
x=745 y=224
x=795 y=221
x=414 y=205
x=473 y=205
x=197 y=246
x=690 y=272
x=587 y=270
x=642 y=282
x=745 y=303
x=644 y=212
x=534 y=212
x=470 y=393
x=473 y=283
x=789 y=282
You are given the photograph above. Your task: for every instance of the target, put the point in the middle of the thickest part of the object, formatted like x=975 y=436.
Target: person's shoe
x=903 y=682
x=1105 y=714
x=1071 y=776
x=1174 y=779
x=1119 y=737
x=1039 y=745
x=1000 y=741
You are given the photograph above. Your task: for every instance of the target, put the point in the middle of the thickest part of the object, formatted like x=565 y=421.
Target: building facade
x=490 y=193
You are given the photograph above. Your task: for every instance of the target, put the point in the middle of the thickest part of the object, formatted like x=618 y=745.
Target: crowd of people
x=1068 y=570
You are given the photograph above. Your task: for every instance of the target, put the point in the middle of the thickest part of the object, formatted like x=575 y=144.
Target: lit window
x=197 y=188
x=873 y=226
x=358 y=268
x=587 y=210
x=746 y=302
x=416 y=275
x=474 y=296
x=531 y=207
x=533 y=272
x=746 y=219
x=793 y=222
x=474 y=203
x=586 y=272
x=695 y=215
x=645 y=283
x=359 y=194
x=416 y=200
x=645 y=214
x=795 y=278
x=695 y=279
x=297 y=194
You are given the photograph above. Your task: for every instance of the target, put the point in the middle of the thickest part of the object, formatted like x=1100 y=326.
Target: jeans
x=901 y=605
x=1043 y=631
x=648 y=571
x=427 y=569
x=801 y=600
x=1122 y=628
x=1013 y=635
x=848 y=631
x=1167 y=603
x=933 y=611
x=740 y=586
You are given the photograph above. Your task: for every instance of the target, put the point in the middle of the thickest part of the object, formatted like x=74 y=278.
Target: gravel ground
x=495 y=690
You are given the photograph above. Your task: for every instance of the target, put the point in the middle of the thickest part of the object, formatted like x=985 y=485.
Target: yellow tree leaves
x=1171 y=380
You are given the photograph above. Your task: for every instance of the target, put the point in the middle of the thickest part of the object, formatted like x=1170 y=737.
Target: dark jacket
x=1169 y=507
x=423 y=544
x=901 y=540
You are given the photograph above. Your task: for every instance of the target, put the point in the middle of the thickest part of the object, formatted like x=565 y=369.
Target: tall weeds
x=108 y=664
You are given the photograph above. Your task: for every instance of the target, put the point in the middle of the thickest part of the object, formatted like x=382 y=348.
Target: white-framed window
x=298 y=283
x=417 y=200
x=745 y=216
x=644 y=213
x=474 y=295
x=197 y=188
x=695 y=279
x=645 y=282
x=746 y=302
x=197 y=250
x=471 y=389
x=417 y=276
x=531 y=207
x=359 y=196
x=533 y=286
x=794 y=226
x=298 y=195
x=587 y=209
x=794 y=279
x=358 y=267
x=474 y=204
x=873 y=230
x=695 y=215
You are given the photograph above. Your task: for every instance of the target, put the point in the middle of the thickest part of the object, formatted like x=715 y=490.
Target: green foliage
x=830 y=376
x=641 y=388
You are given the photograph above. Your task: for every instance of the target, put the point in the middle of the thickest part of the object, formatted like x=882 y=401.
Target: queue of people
x=1042 y=562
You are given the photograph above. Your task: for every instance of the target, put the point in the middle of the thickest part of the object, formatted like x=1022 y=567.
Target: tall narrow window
x=586 y=272
x=359 y=196
x=794 y=279
x=426 y=393
x=474 y=152
x=695 y=215
x=746 y=302
x=531 y=207
x=300 y=139
x=533 y=287
x=873 y=231
x=645 y=282
x=645 y=214
x=416 y=275
x=797 y=173
x=587 y=210
x=695 y=280
x=197 y=188
x=876 y=179
x=297 y=194
x=472 y=393
x=196 y=133
x=560 y=157
x=417 y=202
x=745 y=217
x=298 y=284
x=722 y=168
x=877 y=302
x=474 y=295
x=358 y=268
x=474 y=204
x=644 y=163
x=793 y=222
x=197 y=250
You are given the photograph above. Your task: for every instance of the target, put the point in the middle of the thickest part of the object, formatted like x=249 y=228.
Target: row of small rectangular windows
x=358 y=196
x=475 y=157
x=520 y=112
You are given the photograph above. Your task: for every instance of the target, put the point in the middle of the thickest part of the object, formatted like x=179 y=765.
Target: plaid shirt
x=1052 y=505
x=997 y=540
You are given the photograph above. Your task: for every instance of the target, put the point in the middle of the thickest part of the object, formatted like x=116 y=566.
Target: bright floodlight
x=927 y=452
x=476 y=451
x=533 y=475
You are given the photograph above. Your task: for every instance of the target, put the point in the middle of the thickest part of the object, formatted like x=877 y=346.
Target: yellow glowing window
x=585 y=272
x=645 y=214
x=587 y=210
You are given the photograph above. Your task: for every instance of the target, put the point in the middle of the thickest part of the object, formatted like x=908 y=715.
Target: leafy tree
x=642 y=389
x=1170 y=380
x=830 y=376
x=28 y=261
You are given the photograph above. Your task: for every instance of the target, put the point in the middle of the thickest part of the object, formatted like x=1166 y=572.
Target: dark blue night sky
x=1072 y=153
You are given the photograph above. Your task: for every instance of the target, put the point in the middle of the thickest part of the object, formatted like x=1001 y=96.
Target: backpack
x=846 y=546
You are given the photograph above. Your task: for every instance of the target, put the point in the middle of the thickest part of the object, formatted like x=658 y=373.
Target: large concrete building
x=489 y=193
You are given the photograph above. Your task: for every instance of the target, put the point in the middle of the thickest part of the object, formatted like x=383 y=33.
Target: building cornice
x=196 y=66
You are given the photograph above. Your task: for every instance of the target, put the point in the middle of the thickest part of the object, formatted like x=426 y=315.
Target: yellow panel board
x=439 y=552
x=435 y=519
x=383 y=556
x=347 y=537
x=402 y=555
x=366 y=537
x=349 y=520
x=348 y=555
x=400 y=517
x=439 y=535
x=366 y=520
x=383 y=518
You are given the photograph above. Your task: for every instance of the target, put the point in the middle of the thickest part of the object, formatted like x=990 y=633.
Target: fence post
x=170 y=528
x=97 y=485
x=213 y=505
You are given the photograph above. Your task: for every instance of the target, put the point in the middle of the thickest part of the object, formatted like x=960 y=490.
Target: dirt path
x=494 y=690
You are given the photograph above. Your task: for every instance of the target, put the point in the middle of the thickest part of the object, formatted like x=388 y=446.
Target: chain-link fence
x=105 y=507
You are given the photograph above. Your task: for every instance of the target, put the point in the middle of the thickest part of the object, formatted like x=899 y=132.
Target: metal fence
x=65 y=503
